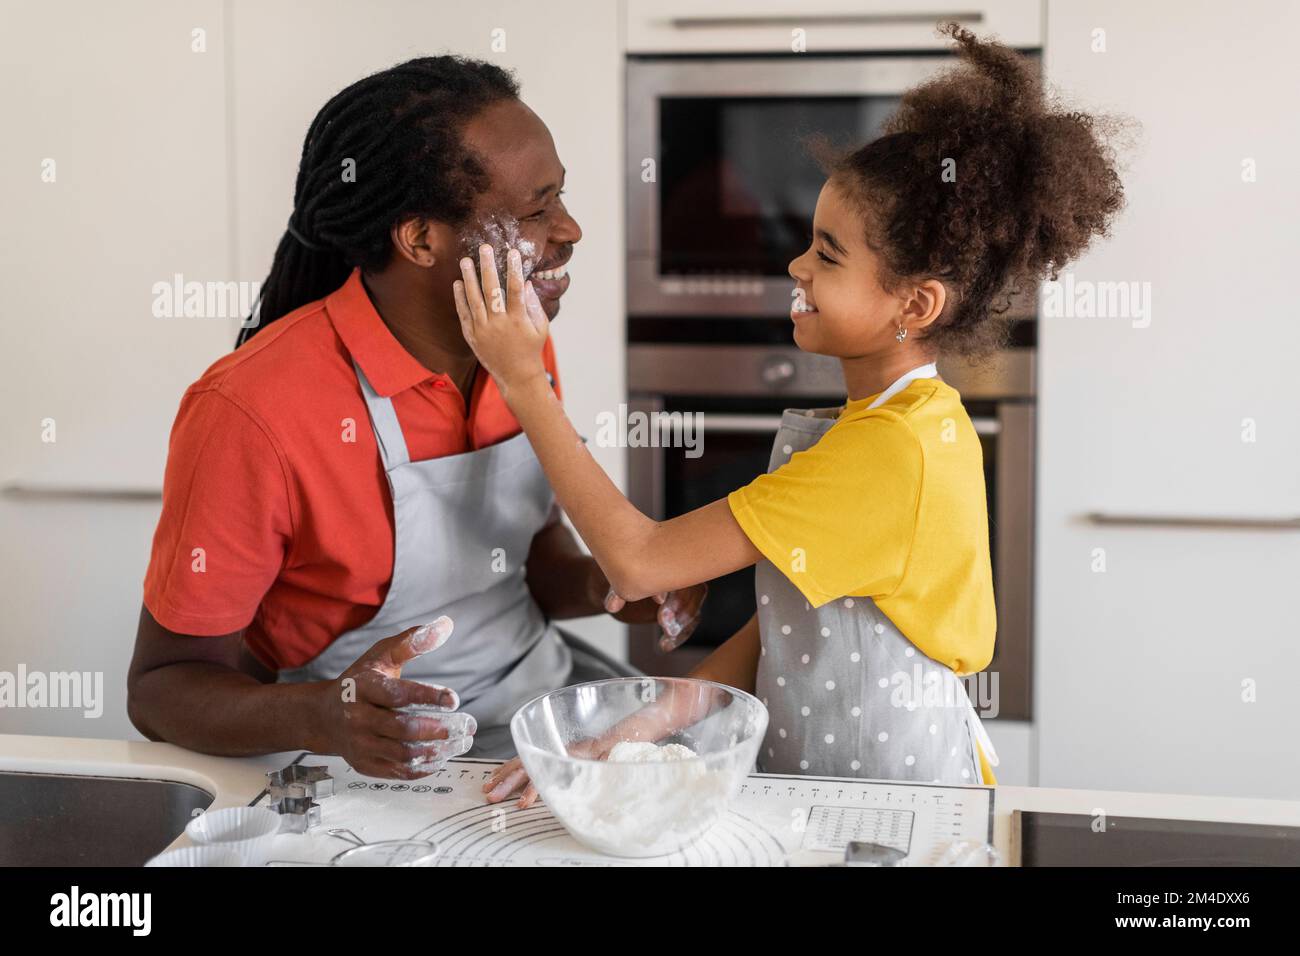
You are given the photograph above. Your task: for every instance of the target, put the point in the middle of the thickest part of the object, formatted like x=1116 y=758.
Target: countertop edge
x=233 y=781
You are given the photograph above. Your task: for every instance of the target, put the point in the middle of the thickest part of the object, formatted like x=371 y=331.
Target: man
x=347 y=488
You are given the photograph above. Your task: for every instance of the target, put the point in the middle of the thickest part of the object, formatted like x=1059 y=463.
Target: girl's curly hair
x=1033 y=185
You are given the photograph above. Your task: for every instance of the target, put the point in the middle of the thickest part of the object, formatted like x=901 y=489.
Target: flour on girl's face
x=502 y=233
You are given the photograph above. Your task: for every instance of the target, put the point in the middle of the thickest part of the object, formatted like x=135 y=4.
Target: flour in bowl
x=643 y=800
x=638 y=751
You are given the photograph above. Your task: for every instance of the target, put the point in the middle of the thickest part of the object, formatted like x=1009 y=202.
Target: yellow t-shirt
x=889 y=504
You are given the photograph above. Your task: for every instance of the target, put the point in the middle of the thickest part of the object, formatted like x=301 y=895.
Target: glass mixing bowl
x=629 y=806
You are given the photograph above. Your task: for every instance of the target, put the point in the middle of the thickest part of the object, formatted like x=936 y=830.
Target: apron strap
x=981 y=733
x=928 y=370
x=392 y=446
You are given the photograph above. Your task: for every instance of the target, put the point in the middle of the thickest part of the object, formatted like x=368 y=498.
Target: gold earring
x=901 y=333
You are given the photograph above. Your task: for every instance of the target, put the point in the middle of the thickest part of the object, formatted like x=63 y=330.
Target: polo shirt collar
x=388 y=366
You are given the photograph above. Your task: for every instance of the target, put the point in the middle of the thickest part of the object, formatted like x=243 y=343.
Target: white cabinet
x=1165 y=652
x=113 y=177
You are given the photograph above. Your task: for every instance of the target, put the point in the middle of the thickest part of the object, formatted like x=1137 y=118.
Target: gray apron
x=848 y=695
x=463 y=525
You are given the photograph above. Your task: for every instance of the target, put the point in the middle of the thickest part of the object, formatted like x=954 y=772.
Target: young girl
x=870 y=530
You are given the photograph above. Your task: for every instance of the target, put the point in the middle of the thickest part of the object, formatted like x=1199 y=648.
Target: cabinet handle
x=1195 y=521
x=18 y=489
x=826 y=20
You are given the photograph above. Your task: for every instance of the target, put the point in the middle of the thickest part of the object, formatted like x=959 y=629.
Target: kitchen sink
x=65 y=820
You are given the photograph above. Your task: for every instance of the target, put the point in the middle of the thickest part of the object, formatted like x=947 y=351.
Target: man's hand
x=676 y=612
x=359 y=711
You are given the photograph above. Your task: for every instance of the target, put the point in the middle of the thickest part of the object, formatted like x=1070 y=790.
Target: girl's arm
x=639 y=555
x=734 y=663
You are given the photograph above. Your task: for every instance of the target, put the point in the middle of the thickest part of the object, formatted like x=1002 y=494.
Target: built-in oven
x=721 y=180
x=720 y=193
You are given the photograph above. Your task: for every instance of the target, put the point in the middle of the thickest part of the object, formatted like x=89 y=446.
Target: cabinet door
x=1169 y=468
x=112 y=181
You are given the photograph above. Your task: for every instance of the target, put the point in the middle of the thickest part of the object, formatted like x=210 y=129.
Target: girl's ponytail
x=982 y=181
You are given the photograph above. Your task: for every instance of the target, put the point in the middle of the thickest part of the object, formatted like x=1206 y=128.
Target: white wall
x=172 y=161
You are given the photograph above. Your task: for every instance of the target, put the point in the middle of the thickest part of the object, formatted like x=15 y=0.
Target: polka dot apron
x=848 y=695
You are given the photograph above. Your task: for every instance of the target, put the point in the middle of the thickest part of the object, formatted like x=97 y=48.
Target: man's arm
x=210 y=694
x=564 y=580
x=207 y=694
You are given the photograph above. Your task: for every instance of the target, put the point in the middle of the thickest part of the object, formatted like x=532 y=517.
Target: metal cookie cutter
x=300 y=780
x=294 y=792
x=297 y=814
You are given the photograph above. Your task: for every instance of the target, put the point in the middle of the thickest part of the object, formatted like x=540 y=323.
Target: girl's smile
x=802 y=306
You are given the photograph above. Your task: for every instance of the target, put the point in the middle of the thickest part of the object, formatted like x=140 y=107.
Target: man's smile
x=551 y=283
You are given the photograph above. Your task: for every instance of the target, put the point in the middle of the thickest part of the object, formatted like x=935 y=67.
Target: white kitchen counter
x=233 y=781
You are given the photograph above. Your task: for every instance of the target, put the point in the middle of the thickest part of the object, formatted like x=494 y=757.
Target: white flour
x=502 y=234
x=645 y=800
x=638 y=751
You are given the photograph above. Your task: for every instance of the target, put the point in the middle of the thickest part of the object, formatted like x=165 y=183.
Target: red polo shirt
x=276 y=513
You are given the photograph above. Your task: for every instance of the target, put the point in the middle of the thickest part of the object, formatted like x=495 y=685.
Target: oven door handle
x=984 y=425
x=741 y=423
